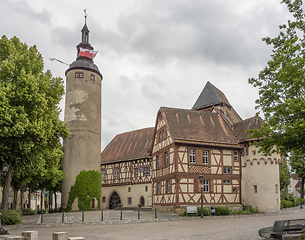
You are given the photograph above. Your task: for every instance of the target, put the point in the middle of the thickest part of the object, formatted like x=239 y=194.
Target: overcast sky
x=153 y=53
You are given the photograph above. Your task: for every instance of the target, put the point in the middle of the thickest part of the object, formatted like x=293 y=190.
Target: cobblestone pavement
x=165 y=226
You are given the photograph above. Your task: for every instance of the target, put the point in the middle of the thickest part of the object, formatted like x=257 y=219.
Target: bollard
x=83 y=216
x=102 y=215
x=121 y=214
x=41 y=216
x=155 y=212
x=138 y=213
x=63 y=217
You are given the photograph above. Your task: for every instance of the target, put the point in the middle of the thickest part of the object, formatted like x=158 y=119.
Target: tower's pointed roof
x=210 y=96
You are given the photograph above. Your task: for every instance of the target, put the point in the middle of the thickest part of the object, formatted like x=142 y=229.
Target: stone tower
x=82 y=151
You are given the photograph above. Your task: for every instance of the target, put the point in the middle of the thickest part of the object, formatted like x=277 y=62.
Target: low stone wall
x=33 y=235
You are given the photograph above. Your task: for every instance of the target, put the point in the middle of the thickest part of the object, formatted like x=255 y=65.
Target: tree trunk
x=55 y=198
x=50 y=201
x=6 y=188
x=41 y=199
x=15 y=198
x=29 y=197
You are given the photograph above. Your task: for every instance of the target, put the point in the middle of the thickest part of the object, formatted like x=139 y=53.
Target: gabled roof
x=210 y=96
x=198 y=127
x=250 y=123
x=129 y=146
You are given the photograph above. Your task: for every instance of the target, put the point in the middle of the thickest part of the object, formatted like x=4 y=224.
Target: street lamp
x=5 y=167
x=301 y=180
x=201 y=186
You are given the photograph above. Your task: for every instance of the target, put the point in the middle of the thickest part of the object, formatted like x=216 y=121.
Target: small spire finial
x=85 y=11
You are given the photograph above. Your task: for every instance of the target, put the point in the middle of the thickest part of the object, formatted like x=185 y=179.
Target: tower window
x=79 y=75
x=92 y=77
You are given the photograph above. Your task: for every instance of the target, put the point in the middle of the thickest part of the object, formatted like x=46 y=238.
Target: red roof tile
x=129 y=146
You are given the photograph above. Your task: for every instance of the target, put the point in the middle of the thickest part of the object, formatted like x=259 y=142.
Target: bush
x=242 y=212
x=286 y=204
x=206 y=212
x=251 y=209
x=10 y=217
x=28 y=211
x=219 y=211
x=52 y=210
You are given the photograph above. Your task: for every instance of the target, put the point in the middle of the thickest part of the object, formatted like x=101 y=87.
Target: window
x=227 y=181
x=166 y=158
x=255 y=188
x=227 y=170
x=103 y=174
x=235 y=156
x=160 y=137
x=163 y=135
x=92 y=77
x=146 y=188
x=103 y=199
x=206 y=185
x=116 y=173
x=79 y=75
x=158 y=162
x=146 y=171
x=136 y=172
x=129 y=200
x=254 y=152
x=276 y=188
x=129 y=189
x=205 y=156
x=192 y=156
x=168 y=186
x=234 y=190
x=158 y=188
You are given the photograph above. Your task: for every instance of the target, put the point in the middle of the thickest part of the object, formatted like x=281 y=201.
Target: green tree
x=284 y=178
x=281 y=87
x=30 y=128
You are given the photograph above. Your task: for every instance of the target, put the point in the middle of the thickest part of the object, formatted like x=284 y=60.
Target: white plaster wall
x=136 y=191
x=264 y=173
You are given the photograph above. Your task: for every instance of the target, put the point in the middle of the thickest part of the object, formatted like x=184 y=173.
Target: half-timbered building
x=126 y=170
x=208 y=140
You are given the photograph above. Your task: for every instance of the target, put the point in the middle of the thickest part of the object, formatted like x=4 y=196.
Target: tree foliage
x=30 y=128
x=281 y=87
x=297 y=162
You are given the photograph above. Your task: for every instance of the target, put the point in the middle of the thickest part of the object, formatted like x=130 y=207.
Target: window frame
x=225 y=170
x=192 y=155
x=79 y=75
x=205 y=157
x=158 y=188
x=206 y=185
x=166 y=158
x=116 y=173
x=168 y=186
x=129 y=200
x=157 y=161
x=103 y=172
x=235 y=156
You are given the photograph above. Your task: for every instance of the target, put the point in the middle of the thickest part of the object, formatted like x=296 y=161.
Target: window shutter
x=199 y=157
x=196 y=185
x=211 y=186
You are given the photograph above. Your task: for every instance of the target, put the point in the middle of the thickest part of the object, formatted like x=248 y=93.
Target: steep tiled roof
x=295 y=176
x=250 y=123
x=198 y=127
x=129 y=146
x=210 y=96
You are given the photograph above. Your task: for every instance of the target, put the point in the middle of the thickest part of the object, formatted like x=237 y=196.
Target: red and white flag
x=87 y=53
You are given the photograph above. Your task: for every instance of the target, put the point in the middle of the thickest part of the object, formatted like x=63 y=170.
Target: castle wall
x=260 y=180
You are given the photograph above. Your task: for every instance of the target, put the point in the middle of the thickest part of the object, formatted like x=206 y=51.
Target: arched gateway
x=114 y=200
